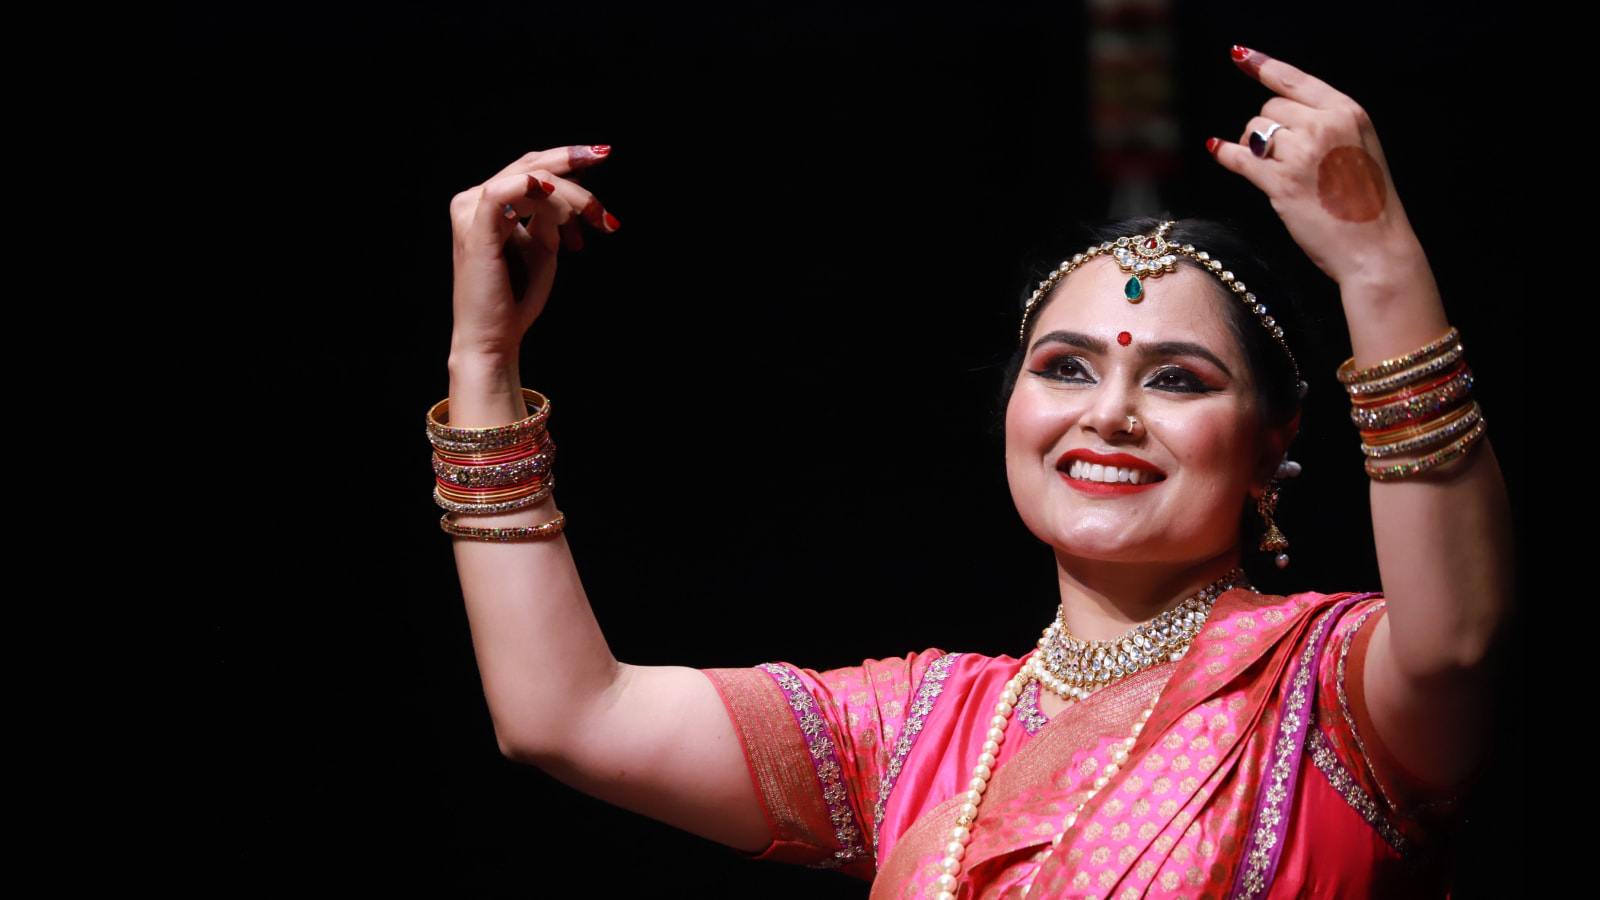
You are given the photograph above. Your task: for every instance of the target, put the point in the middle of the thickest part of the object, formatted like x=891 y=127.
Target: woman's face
x=1179 y=479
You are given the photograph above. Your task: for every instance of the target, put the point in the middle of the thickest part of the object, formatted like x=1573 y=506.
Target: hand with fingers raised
x=1314 y=152
x=507 y=233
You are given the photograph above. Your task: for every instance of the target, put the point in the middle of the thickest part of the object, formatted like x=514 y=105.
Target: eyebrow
x=1160 y=349
x=1186 y=348
x=1093 y=345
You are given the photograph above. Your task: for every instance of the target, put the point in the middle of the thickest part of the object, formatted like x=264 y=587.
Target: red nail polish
x=611 y=222
x=547 y=187
x=1239 y=53
x=1212 y=144
x=600 y=149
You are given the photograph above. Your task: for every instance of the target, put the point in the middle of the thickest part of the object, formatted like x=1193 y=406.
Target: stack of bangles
x=1416 y=407
x=485 y=471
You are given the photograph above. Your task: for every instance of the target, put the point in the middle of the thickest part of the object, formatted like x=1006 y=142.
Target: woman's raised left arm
x=1443 y=542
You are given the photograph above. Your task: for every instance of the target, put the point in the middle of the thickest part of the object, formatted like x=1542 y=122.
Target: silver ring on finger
x=1261 y=141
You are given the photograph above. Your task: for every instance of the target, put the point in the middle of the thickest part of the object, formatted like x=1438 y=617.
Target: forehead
x=1178 y=306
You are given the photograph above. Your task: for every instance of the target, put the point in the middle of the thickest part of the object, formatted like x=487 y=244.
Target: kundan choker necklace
x=1090 y=665
x=1073 y=669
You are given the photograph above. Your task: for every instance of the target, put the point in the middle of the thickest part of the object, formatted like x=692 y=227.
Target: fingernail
x=1212 y=144
x=1248 y=60
x=545 y=188
x=611 y=222
x=600 y=149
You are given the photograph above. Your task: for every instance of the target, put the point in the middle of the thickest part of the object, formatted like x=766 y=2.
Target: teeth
x=1083 y=471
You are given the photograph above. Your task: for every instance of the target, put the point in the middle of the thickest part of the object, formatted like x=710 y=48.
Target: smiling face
x=1169 y=489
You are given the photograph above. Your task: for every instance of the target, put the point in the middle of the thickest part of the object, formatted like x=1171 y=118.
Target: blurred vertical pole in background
x=1130 y=102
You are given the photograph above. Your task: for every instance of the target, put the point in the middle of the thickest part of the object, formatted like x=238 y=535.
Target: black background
x=775 y=387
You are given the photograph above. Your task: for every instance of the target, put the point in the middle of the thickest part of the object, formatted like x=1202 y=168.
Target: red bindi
x=1124 y=338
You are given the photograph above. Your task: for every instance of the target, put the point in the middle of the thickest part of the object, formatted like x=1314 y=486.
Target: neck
x=1101 y=601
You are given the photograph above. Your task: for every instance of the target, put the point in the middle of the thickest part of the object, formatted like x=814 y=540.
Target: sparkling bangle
x=1405 y=378
x=1419 y=405
x=491 y=508
x=521 y=533
x=1457 y=449
x=468 y=440
x=1349 y=374
x=1426 y=437
x=518 y=470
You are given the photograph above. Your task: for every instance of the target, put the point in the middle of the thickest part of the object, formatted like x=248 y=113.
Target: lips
x=1102 y=473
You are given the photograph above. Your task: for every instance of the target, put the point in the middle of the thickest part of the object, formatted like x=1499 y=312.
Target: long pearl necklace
x=1176 y=632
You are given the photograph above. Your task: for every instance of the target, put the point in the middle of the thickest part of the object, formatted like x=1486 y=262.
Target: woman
x=1154 y=401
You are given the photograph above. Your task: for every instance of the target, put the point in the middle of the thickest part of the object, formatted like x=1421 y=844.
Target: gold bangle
x=489 y=509
x=1454 y=451
x=1372 y=390
x=1425 y=437
x=1349 y=374
x=522 y=533
x=469 y=440
x=1433 y=402
x=497 y=474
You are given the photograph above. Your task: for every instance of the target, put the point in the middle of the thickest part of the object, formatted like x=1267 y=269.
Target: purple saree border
x=1270 y=821
x=825 y=760
x=928 y=693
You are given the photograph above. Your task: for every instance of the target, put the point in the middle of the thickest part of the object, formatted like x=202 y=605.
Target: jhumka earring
x=1273 y=540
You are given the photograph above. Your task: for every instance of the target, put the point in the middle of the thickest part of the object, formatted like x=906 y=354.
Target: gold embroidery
x=1169 y=880
x=932 y=686
x=1226 y=741
x=1272 y=616
x=1100 y=856
x=1112 y=807
x=1129 y=893
x=1074 y=856
x=1201 y=742
x=1188 y=785
x=1193 y=721
x=1245 y=622
x=1127 y=854
x=1161 y=785
x=1181 y=854
x=1208 y=849
x=1322 y=756
x=1180 y=763
x=1093 y=831
x=1192 y=876
x=1088 y=767
x=1133 y=786
x=1141 y=807
x=1080 y=880
x=1235 y=703
x=1344 y=704
x=1172 y=741
x=1207 y=762
x=1286 y=748
x=1166 y=809
x=1108 y=878
x=1154 y=762
x=1120 y=831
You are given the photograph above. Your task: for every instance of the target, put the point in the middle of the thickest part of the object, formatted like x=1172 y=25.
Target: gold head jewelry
x=1151 y=256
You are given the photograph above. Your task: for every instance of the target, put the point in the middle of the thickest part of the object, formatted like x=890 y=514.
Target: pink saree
x=1250 y=780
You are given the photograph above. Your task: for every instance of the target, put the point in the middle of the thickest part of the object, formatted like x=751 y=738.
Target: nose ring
x=1133 y=425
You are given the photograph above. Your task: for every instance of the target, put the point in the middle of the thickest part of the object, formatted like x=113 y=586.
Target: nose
x=1112 y=415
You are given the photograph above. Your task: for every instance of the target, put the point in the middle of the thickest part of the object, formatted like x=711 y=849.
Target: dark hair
x=1277 y=388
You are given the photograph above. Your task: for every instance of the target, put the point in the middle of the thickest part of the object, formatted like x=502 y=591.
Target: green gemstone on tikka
x=1133 y=290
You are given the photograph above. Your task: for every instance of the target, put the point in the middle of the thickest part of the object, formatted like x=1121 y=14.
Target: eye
x=1178 y=380
x=1065 y=368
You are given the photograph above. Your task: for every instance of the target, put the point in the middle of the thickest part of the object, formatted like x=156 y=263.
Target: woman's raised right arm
x=655 y=740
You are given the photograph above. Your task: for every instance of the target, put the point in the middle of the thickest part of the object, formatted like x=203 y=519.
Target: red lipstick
x=1114 y=460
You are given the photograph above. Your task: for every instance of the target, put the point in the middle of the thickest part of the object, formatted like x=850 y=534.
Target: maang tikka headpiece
x=1150 y=256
